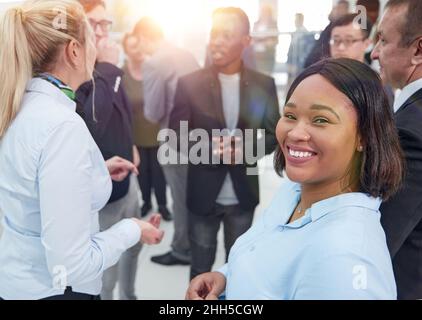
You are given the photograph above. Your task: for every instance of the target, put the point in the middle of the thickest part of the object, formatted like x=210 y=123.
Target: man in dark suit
x=225 y=96
x=399 y=51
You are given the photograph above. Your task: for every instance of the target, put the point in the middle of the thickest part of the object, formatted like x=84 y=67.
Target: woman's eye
x=321 y=121
x=290 y=116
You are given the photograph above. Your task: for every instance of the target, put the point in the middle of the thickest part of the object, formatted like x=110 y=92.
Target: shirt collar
x=406 y=93
x=287 y=202
x=44 y=87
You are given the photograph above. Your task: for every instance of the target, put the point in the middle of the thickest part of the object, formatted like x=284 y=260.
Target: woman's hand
x=151 y=234
x=119 y=168
x=207 y=286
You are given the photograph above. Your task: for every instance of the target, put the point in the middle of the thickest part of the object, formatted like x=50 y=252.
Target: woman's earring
x=360 y=148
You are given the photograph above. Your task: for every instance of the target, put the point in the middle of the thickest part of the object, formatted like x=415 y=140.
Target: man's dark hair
x=243 y=18
x=349 y=19
x=372 y=8
x=411 y=28
x=148 y=28
x=370 y=5
x=90 y=5
x=380 y=167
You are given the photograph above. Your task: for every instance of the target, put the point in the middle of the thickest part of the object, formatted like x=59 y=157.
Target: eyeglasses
x=105 y=25
x=347 y=42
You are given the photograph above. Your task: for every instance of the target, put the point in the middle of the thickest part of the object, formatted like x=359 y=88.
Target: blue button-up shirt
x=53 y=182
x=337 y=250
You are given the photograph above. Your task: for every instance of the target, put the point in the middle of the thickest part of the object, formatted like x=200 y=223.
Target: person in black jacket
x=108 y=115
x=321 y=48
x=225 y=96
x=399 y=51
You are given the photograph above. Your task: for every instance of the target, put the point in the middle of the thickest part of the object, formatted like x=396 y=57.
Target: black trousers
x=151 y=176
x=70 y=295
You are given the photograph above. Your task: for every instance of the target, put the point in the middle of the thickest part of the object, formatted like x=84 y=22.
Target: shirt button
x=281 y=229
x=252 y=249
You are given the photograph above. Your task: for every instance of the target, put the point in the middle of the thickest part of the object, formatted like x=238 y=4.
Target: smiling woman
x=321 y=237
x=346 y=125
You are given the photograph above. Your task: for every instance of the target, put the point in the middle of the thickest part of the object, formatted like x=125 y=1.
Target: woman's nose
x=299 y=133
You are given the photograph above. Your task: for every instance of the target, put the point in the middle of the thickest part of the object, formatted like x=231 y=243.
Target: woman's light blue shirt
x=337 y=251
x=53 y=182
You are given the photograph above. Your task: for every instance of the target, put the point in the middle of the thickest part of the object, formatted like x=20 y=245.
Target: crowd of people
x=81 y=137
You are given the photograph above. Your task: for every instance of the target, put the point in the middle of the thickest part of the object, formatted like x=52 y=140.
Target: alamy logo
x=197 y=146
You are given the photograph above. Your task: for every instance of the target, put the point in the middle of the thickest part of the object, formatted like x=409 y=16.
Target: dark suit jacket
x=198 y=100
x=401 y=216
x=113 y=130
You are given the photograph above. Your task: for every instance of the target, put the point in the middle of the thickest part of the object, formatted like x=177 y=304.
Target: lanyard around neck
x=59 y=84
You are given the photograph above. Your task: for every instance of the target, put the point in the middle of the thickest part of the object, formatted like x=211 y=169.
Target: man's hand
x=108 y=51
x=120 y=168
x=136 y=157
x=228 y=149
x=151 y=234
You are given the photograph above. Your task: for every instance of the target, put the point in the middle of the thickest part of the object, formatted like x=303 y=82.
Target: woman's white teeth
x=300 y=154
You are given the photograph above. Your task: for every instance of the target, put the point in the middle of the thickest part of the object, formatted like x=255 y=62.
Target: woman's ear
x=74 y=54
x=359 y=144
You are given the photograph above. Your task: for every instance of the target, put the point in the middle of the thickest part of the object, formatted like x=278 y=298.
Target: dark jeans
x=151 y=176
x=203 y=232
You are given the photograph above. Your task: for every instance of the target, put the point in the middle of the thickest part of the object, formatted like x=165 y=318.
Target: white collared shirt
x=53 y=182
x=406 y=93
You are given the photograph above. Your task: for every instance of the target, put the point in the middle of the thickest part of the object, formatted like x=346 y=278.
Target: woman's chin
x=298 y=176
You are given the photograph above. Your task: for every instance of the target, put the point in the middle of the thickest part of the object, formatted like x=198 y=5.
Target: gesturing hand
x=119 y=168
x=151 y=234
x=207 y=286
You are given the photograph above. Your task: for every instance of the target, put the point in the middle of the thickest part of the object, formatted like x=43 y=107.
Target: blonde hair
x=31 y=35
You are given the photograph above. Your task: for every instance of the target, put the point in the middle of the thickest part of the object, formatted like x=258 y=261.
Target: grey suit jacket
x=161 y=73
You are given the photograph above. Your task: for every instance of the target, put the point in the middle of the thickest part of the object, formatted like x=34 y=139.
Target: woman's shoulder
x=353 y=229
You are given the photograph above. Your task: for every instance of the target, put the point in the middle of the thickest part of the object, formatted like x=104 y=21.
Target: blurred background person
x=54 y=179
x=351 y=40
x=300 y=46
x=144 y=132
x=265 y=40
x=224 y=96
x=321 y=47
x=373 y=11
x=108 y=116
x=163 y=66
x=348 y=39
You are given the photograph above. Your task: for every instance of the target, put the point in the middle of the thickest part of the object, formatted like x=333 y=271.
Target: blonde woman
x=53 y=178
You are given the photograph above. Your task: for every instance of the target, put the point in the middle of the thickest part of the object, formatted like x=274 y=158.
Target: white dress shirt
x=406 y=93
x=53 y=182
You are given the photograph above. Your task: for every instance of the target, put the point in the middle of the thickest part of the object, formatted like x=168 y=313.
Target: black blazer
x=198 y=100
x=113 y=129
x=401 y=216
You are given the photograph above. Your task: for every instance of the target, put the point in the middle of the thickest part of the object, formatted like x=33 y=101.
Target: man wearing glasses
x=350 y=39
